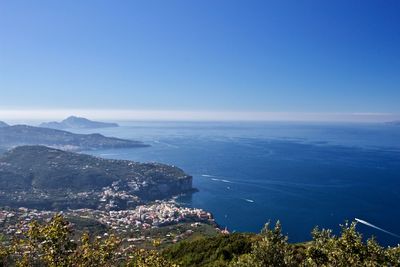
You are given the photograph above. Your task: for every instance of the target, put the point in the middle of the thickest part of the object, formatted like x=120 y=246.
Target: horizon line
x=194 y=115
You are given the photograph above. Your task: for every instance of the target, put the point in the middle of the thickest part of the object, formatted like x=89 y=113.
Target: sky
x=212 y=59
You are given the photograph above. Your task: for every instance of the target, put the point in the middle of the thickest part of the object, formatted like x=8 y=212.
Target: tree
x=348 y=249
x=271 y=250
x=98 y=252
x=148 y=258
x=50 y=244
x=52 y=241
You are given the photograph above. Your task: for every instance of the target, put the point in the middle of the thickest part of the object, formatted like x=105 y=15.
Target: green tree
x=272 y=250
x=52 y=241
x=98 y=252
x=348 y=249
x=148 y=258
x=51 y=245
x=393 y=256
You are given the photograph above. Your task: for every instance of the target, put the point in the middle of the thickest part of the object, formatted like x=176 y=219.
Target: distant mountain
x=3 y=124
x=18 y=135
x=393 y=123
x=73 y=122
x=43 y=177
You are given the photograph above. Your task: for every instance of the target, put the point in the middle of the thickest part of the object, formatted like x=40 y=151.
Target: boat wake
x=221 y=180
x=376 y=227
x=216 y=178
x=258 y=185
x=165 y=144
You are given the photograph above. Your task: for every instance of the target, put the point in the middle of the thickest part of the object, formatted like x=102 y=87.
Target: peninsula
x=46 y=178
x=17 y=135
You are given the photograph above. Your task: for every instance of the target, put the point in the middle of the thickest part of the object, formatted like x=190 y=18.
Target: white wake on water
x=221 y=180
x=215 y=178
x=376 y=227
x=165 y=144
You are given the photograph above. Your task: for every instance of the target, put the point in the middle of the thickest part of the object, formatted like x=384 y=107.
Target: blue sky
x=223 y=56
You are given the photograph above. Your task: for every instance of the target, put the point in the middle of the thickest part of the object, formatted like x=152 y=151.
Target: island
x=74 y=122
x=46 y=178
x=18 y=135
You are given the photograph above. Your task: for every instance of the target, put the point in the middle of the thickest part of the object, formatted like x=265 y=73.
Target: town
x=129 y=224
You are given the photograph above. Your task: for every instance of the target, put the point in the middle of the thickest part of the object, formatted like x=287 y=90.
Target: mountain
x=3 y=124
x=397 y=123
x=73 y=122
x=43 y=177
x=18 y=135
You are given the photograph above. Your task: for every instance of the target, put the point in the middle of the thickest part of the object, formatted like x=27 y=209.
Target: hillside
x=18 y=135
x=55 y=243
x=43 y=177
x=73 y=122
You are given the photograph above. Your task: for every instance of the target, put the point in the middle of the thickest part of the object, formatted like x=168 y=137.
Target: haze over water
x=301 y=174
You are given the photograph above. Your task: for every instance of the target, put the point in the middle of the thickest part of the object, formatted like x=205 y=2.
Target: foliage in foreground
x=51 y=245
x=325 y=249
x=213 y=251
x=270 y=248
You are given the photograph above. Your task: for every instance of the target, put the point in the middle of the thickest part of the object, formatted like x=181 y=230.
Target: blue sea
x=301 y=174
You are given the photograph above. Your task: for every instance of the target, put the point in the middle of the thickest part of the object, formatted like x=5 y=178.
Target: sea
x=303 y=174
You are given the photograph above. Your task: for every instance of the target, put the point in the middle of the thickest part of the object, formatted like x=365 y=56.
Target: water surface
x=301 y=174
